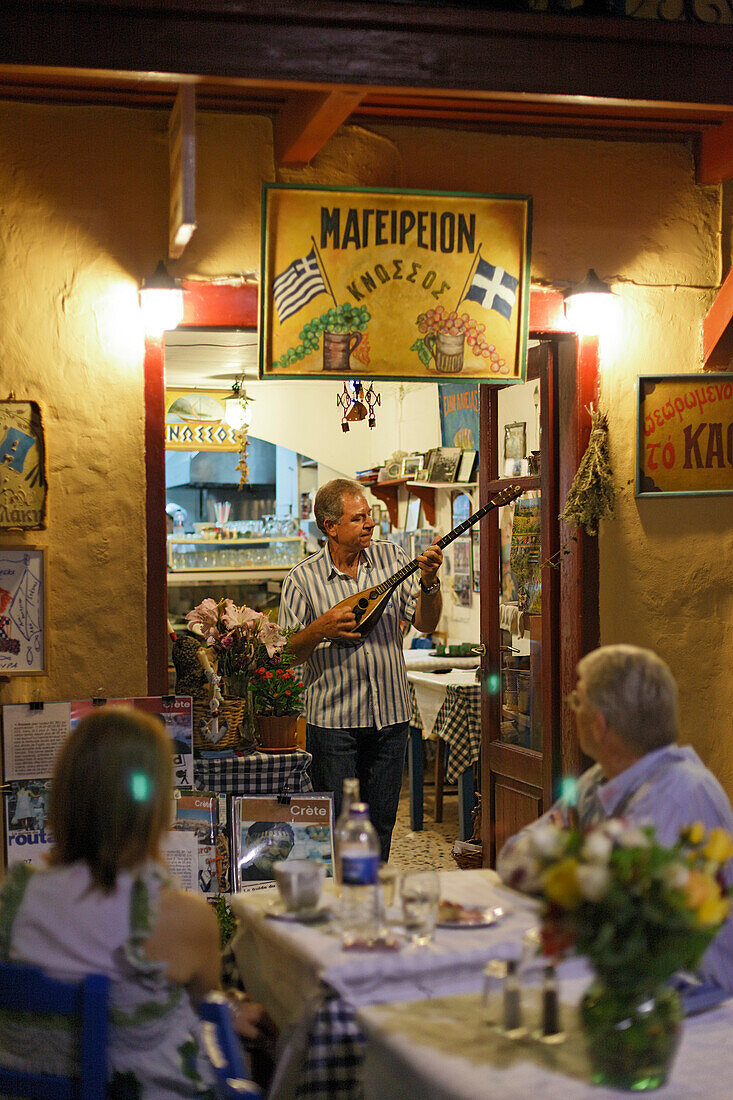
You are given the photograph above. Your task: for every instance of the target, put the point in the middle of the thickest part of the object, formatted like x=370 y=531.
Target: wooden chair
x=224 y=1050
x=27 y=989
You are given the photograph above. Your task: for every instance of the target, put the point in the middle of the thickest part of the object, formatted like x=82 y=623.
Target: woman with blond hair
x=104 y=905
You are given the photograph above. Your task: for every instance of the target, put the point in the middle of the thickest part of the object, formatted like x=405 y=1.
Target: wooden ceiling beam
x=308 y=120
x=715 y=154
x=388 y=43
x=717 y=328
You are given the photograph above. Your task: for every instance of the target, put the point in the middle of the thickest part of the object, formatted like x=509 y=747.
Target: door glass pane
x=520 y=604
x=519 y=428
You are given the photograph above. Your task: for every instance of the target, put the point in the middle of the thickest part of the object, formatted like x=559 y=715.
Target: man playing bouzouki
x=357 y=707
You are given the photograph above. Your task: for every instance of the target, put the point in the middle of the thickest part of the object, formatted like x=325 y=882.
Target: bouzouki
x=369 y=604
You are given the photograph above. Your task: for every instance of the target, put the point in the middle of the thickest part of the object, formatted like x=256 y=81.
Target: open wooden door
x=528 y=740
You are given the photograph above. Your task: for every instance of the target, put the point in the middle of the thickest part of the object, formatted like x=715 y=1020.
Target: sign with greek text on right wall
x=684 y=434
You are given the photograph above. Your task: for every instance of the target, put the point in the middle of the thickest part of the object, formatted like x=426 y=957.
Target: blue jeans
x=375 y=757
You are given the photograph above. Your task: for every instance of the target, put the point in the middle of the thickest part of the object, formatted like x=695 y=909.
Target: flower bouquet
x=639 y=911
x=242 y=642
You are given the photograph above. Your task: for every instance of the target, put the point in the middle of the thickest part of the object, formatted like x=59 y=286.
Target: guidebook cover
x=197 y=847
x=26 y=810
x=266 y=830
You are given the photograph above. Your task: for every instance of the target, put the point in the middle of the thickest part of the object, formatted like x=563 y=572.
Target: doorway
x=539 y=581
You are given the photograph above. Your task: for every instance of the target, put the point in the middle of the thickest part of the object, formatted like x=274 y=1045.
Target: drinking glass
x=420 y=893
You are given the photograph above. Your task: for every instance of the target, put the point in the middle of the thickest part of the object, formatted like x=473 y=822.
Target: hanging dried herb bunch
x=592 y=494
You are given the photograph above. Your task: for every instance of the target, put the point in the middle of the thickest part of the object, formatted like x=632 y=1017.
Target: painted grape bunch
x=339 y=319
x=453 y=323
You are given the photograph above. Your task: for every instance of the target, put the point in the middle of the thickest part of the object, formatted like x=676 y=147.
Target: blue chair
x=224 y=1050
x=27 y=989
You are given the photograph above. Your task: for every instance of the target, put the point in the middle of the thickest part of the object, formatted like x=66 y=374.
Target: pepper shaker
x=551 y=1031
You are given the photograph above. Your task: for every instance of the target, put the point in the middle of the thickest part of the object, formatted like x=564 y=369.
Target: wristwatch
x=429 y=589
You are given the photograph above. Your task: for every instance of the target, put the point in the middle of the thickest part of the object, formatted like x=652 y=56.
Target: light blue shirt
x=669 y=788
x=353 y=686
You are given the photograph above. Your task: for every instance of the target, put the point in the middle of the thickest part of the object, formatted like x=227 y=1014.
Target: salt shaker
x=513 y=1028
x=492 y=999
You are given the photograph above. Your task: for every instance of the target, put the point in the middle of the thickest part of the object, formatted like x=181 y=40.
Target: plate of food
x=451 y=914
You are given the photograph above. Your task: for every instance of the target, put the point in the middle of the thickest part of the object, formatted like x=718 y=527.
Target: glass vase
x=631 y=1033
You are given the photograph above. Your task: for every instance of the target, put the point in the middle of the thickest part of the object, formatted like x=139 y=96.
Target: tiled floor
x=431 y=847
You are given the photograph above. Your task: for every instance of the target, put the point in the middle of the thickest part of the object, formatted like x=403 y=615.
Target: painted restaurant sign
x=684 y=434
x=394 y=284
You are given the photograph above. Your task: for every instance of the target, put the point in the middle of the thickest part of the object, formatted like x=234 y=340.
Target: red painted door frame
x=224 y=305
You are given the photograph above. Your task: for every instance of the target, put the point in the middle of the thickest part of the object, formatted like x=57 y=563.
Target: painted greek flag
x=298 y=284
x=493 y=288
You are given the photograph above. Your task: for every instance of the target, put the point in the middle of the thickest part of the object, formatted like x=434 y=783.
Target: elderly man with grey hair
x=625 y=706
x=357 y=707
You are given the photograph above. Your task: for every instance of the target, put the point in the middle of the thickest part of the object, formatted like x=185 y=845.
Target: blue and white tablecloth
x=255 y=773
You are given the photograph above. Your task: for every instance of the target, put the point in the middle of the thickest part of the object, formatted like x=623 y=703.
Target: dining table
x=450 y=1049
x=447 y=705
x=314 y=988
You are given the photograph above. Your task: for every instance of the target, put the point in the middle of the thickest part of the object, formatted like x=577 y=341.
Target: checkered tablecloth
x=256 y=773
x=459 y=724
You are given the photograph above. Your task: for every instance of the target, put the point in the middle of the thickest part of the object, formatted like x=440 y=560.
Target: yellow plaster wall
x=83 y=194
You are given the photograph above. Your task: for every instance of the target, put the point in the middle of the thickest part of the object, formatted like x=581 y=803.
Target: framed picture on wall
x=411 y=464
x=412 y=515
x=22 y=611
x=462 y=560
x=466 y=466
x=515 y=440
x=444 y=464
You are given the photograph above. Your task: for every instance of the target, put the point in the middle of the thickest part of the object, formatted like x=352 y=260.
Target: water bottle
x=349 y=796
x=359 y=856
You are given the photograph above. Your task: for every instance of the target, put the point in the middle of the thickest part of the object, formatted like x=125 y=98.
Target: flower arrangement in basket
x=246 y=646
x=639 y=911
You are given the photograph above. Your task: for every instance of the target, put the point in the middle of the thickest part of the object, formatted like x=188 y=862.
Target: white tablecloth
x=445 y=1051
x=424 y=660
x=283 y=963
x=430 y=691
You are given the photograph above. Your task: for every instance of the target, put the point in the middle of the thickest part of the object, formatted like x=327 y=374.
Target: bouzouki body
x=369 y=604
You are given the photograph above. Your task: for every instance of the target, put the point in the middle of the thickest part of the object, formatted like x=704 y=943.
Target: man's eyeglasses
x=574 y=701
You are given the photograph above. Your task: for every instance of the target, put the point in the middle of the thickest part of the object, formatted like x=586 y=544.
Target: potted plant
x=277 y=693
x=240 y=640
x=639 y=911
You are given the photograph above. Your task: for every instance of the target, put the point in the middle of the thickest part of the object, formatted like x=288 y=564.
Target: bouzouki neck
x=369 y=604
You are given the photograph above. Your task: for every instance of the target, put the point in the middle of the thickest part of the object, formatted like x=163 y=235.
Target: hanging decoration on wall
x=22 y=467
x=242 y=418
x=357 y=404
x=592 y=495
x=408 y=284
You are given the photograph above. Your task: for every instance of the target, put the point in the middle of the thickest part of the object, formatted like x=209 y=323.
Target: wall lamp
x=161 y=302
x=589 y=305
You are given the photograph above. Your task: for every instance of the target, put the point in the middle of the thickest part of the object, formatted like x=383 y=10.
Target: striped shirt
x=362 y=685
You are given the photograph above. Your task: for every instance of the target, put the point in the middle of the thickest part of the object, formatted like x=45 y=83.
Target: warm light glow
x=236 y=415
x=590 y=314
x=162 y=310
x=591 y=307
x=161 y=302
